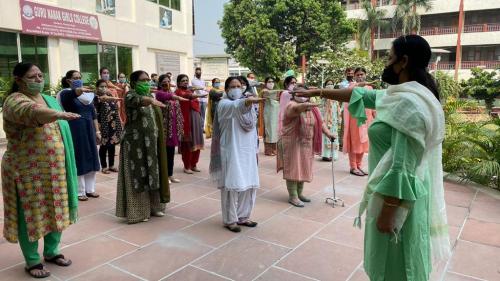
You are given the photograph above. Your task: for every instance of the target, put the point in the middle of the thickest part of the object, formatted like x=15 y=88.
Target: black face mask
x=350 y=78
x=198 y=75
x=390 y=76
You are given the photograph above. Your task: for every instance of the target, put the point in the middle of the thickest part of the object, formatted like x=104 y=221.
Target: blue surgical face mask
x=75 y=84
x=216 y=85
x=234 y=93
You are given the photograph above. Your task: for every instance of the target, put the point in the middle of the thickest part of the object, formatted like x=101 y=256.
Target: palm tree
x=374 y=18
x=407 y=15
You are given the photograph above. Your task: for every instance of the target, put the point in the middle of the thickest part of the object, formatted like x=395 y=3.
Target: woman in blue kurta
x=406 y=227
x=83 y=131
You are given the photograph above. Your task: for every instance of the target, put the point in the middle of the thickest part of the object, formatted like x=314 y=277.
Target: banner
x=44 y=20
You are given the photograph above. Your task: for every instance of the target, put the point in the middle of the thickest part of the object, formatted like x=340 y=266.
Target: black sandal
x=357 y=172
x=44 y=273
x=233 y=228
x=59 y=260
x=366 y=174
x=247 y=223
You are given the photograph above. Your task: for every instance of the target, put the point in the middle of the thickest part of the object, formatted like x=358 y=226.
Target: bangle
x=390 y=205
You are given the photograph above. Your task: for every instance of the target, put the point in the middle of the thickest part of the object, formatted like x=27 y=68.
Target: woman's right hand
x=301 y=92
x=81 y=90
x=67 y=116
x=157 y=103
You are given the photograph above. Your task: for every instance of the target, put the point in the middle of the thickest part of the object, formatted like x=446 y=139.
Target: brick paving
x=317 y=242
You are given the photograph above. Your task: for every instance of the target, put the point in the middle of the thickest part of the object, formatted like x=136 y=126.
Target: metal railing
x=487 y=27
x=429 y=31
x=465 y=65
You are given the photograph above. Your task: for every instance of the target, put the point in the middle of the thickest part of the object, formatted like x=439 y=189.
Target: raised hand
x=81 y=90
x=301 y=92
x=67 y=116
x=253 y=99
x=157 y=103
x=179 y=98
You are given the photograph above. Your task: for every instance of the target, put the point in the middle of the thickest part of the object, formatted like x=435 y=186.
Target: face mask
x=86 y=98
x=270 y=86
x=198 y=75
x=350 y=78
x=216 y=85
x=234 y=94
x=105 y=77
x=243 y=89
x=77 y=84
x=34 y=88
x=142 y=88
x=330 y=86
x=291 y=87
x=390 y=76
x=122 y=80
x=301 y=99
x=152 y=83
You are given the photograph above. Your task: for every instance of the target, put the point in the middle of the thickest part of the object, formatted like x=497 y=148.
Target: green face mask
x=142 y=88
x=34 y=88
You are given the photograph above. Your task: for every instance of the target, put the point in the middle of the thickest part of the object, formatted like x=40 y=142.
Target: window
x=107 y=58
x=88 y=61
x=34 y=50
x=125 y=60
x=8 y=59
x=105 y=6
x=173 y=4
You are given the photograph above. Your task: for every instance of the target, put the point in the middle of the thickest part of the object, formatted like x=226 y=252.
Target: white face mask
x=234 y=93
x=291 y=87
x=86 y=98
x=301 y=99
x=270 y=86
x=330 y=86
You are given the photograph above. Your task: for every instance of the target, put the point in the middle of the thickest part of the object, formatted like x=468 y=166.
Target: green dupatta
x=162 y=157
x=71 y=175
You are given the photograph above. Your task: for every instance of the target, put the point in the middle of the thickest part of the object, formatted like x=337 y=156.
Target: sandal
x=357 y=172
x=195 y=170
x=105 y=171
x=326 y=159
x=93 y=195
x=58 y=260
x=174 y=180
x=83 y=198
x=297 y=203
x=233 y=228
x=113 y=169
x=41 y=271
x=304 y=199
x=188 y=171
x=247 y=223
x=365 y=173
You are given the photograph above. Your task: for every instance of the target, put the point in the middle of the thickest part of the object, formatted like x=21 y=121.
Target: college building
x=123 y=35
x=469 y=28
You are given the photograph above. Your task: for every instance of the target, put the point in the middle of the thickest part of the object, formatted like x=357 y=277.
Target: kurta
x=271 y=115
x=238 y=149
x=34 y=171
x=355 y=139
x=331 y=114
x=121 y=92
x=173 y=123
x=408 y=257
x=82 y=132
x=142 y=178
x=284 y=98
x=191 y=113
x=108 y=117
x=295 y=147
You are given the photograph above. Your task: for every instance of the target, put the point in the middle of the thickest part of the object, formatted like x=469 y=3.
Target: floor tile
x=476 y=260
x=456 y=215
x=481 y=232
x=285 y=230
x=152 y=230
x=457 y=277
x=106 y=272
x=359 y=275
x=94 y=206
x=210 y=232
x=163 y=257
x=486 y=210
x=185 y=193
x=197 y=210
x=17 y=273
x=89 y=254
x=265 y=209
x=242 y=259
x=91 y=226
x=191 y=273
x=278 y=274
x=335 y=263
x=317 y=210
x=342 y=231
x=457 y=198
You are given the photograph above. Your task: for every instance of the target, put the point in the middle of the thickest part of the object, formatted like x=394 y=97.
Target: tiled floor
x=317 y=242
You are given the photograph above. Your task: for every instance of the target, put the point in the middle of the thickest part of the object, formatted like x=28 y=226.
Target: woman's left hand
x=98 y=137
x=386 y=219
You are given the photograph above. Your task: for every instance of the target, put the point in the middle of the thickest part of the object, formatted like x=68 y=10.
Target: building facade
x=153 y=35
x=478 y=29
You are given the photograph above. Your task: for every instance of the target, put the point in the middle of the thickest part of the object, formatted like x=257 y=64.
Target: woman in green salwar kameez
x=406 y=229
x=143 y=187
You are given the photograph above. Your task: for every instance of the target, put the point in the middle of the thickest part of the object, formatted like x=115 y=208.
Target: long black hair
x=242 y=80
x=68 y=76
x=162 y=77
x=288 y=80
x=179 y=78
x=19 y=71
x=326 y=82
x=134 y=77
x=418 y=51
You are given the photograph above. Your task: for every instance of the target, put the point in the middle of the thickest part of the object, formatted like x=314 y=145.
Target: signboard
x=165 y=18
x=168 y=62
x=39 y=19
x=214 y=68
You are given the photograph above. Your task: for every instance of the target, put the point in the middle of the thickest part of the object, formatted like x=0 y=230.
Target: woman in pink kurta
x=355 y=139
x=300 y=140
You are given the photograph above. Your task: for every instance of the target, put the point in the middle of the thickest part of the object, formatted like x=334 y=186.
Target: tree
x=268 y=36
x=374 y=18
x=332 y=63
x=407 y=16
x=483 y=85
x=448 y=87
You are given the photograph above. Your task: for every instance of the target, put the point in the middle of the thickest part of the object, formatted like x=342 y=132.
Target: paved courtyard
x=317 y=242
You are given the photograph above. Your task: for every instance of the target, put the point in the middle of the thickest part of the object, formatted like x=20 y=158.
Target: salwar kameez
x=192 y=141
x=271 y=116
x=331 y=115
x=233 y=161
x=402 y=142
x=143 y=186
x=39 y=183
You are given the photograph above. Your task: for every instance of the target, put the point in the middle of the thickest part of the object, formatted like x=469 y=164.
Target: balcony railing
x=465 y=65
x=487 y=27
x=429 y=31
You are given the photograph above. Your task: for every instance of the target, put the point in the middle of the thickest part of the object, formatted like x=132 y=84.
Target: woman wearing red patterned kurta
x=39 y=182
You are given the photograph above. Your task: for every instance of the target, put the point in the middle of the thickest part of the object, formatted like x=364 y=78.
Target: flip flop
x=247 y=223
x=357 y=172
x=44 y=273
x=366 y=174
x=233 y=228
x=299 y=204
x=58 y=260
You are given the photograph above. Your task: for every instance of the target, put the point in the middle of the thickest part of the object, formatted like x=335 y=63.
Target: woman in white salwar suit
x=233 y=161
